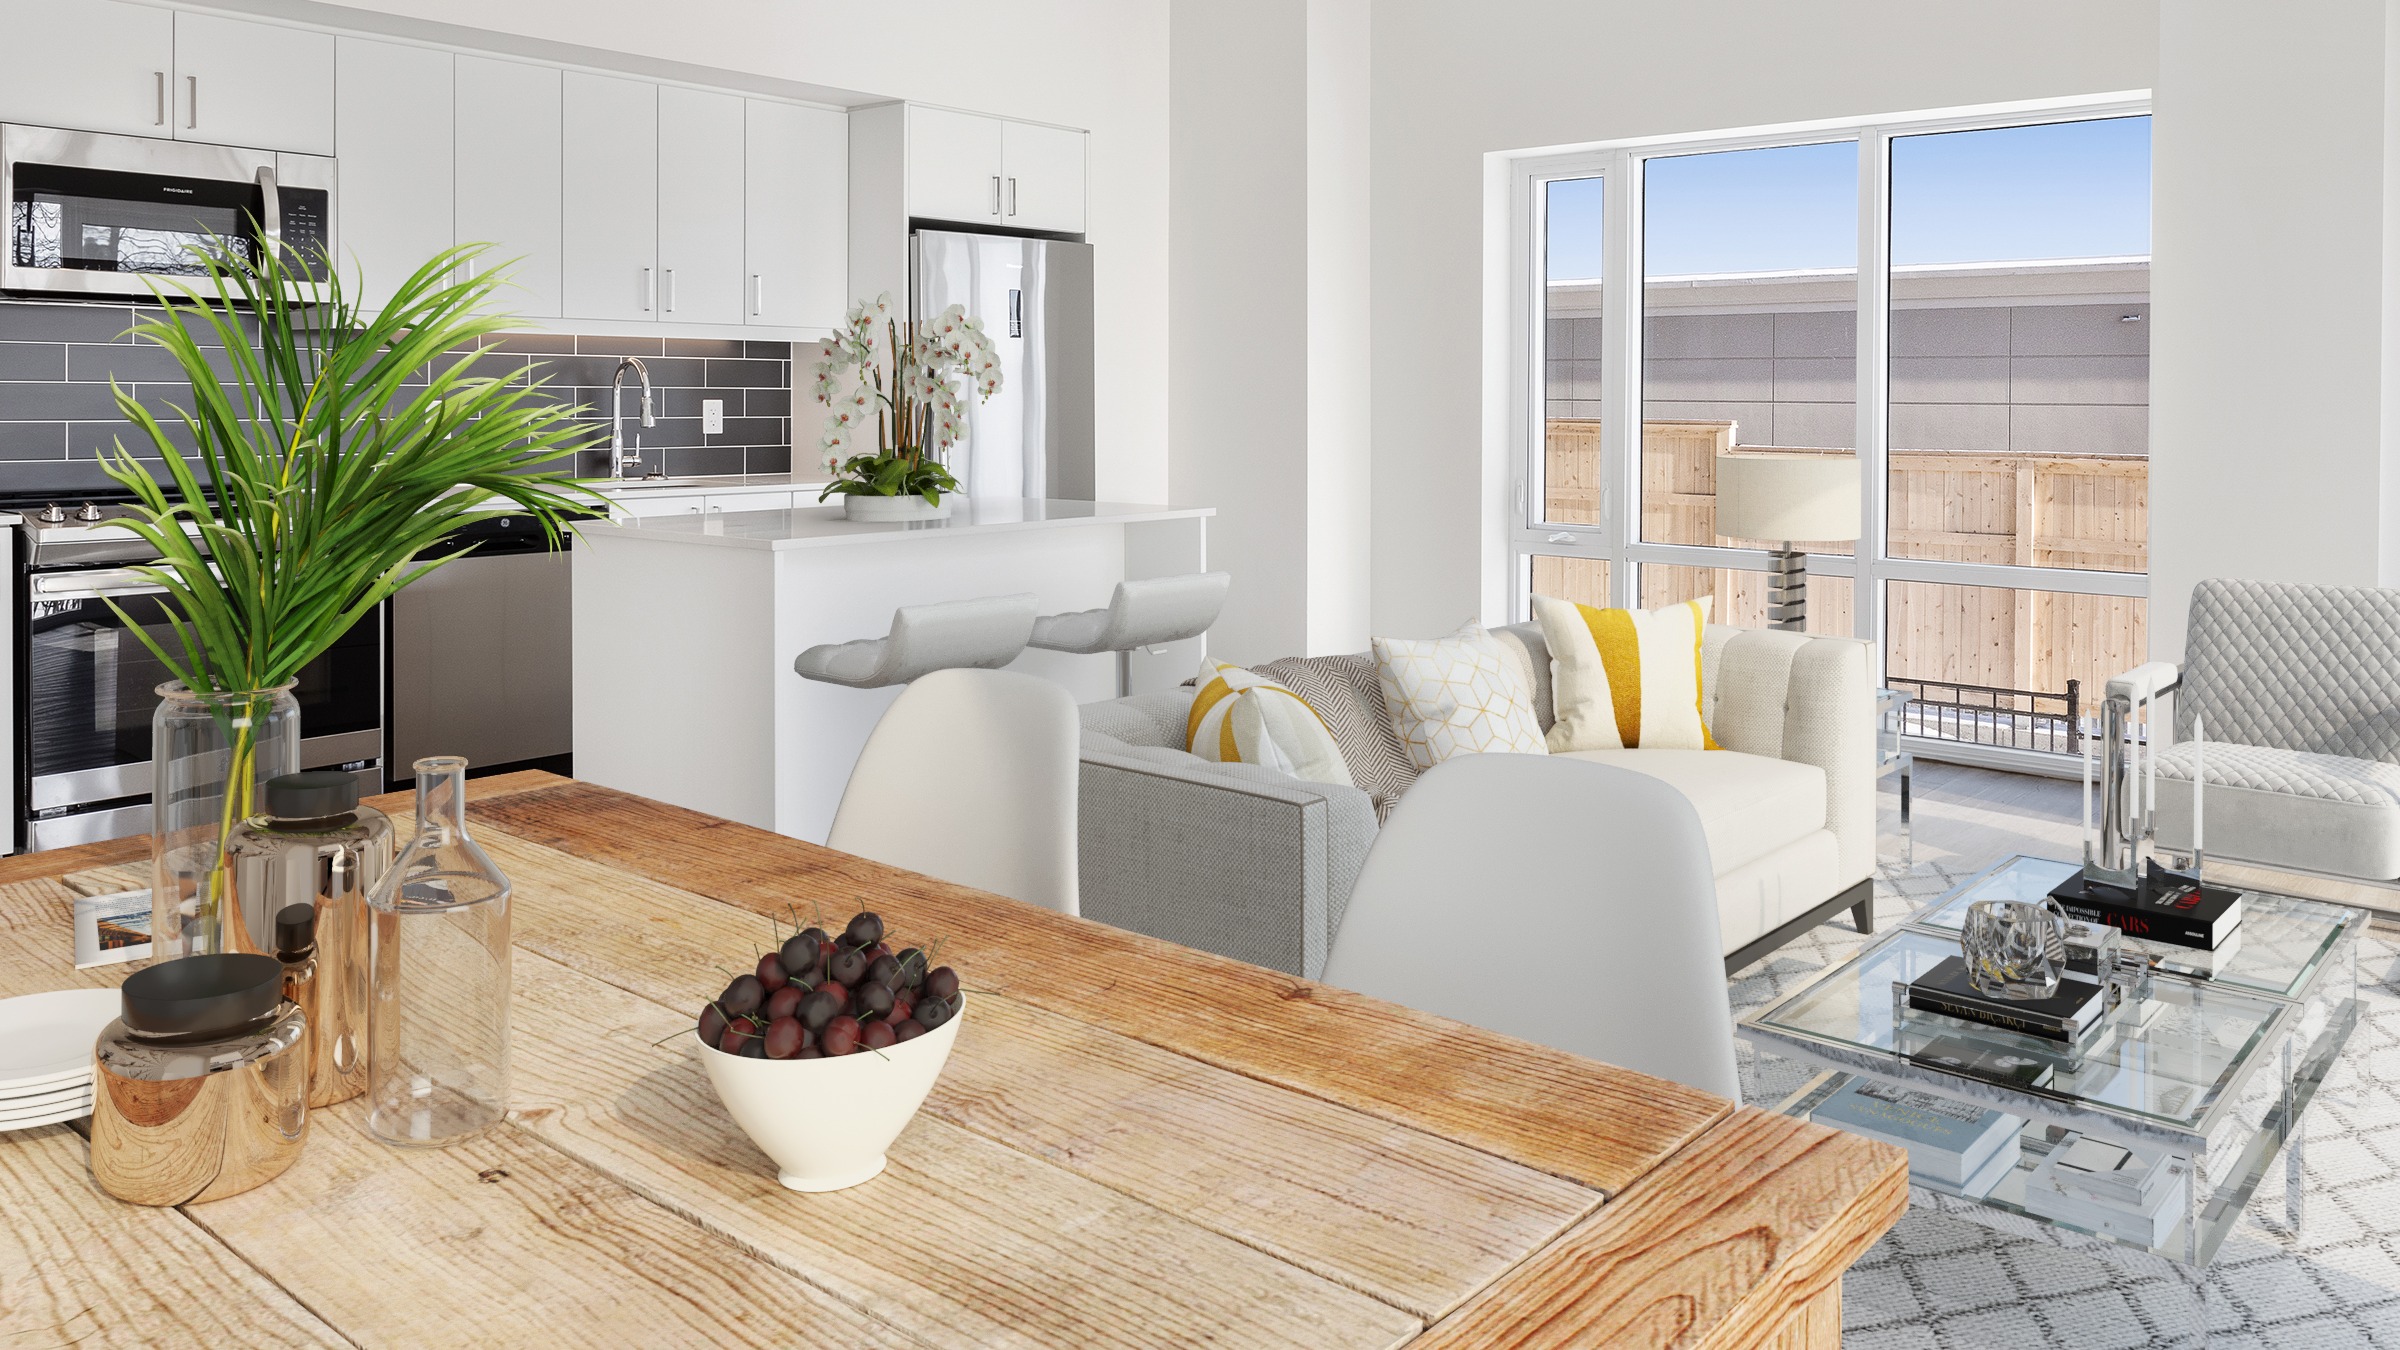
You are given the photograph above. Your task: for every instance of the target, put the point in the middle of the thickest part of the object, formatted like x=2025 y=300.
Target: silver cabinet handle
x=1012 y=196
x=160 y=78
x=995 y=194
x=89 y=585
x=758 y=293
x=270 y=221
x=649 y=290
x=670 y=290
x=191 y=102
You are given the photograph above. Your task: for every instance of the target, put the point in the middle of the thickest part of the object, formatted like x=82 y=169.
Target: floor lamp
x=1780 y=496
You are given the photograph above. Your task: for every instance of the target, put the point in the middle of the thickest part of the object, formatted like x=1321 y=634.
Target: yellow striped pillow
x=1242 y=717
x=1624 y=679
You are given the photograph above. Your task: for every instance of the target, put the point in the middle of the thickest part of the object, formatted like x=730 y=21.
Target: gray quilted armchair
x=2297 y=691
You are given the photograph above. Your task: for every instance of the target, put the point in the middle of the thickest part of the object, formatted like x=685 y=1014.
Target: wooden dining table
x=1133 y=1144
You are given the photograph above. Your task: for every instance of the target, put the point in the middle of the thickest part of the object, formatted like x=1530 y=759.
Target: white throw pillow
x=1242 y=717
x=1624 y=679
x=1459 y=695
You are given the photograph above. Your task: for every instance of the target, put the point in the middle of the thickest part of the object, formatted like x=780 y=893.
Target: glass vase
x=209 y=752
x=437 y=1022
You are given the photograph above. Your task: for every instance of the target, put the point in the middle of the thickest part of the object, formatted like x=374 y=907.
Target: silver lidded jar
x=315 y=845
x=201 y=1085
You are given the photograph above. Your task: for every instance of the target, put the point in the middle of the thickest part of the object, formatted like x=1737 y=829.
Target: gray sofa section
x=1230 y=858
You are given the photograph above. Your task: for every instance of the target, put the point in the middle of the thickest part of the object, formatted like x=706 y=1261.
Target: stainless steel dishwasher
x=481 y=656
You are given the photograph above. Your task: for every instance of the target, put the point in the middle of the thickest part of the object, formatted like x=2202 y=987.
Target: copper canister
x=202 y=1082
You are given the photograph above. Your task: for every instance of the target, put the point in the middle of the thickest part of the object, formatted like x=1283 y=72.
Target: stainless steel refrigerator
x=1034 y=437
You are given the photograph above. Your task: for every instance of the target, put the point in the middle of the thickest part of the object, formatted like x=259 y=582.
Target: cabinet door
x=255 y=84
x=508 y=176
x=649 y=505
x=953 y=166
x=1043 y=169
x=611 y=198
x=796 y=216
x=392 y=124
x=699 y=206
x=88 y=65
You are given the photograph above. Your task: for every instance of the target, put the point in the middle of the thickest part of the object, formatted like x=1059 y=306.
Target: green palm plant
x=320 y=478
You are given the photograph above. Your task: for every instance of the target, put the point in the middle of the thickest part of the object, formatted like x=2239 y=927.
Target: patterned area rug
x=1937 y=1282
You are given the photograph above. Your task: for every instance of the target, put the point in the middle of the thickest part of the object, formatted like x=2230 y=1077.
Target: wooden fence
x=2082 y=511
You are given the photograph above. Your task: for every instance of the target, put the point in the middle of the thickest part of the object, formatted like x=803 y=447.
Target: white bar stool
x=1140 y=614
x=981 y=634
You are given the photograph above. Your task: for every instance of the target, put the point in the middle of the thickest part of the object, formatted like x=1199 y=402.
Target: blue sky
x=2065 y=190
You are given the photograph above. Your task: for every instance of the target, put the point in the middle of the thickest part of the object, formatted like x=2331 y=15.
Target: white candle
x=2199 y=781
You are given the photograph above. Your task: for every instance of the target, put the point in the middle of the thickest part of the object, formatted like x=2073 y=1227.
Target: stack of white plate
x=46 y=1054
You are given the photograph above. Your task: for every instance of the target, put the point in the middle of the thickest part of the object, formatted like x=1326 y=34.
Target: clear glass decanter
x=437 y=1026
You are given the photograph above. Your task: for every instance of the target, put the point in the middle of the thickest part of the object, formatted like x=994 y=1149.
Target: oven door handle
x=93 y=585
x=270 y=199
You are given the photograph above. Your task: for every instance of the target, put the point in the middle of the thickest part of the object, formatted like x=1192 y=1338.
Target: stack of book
x=2070 y=1016
x=2166 y=906
x=1957 y=1147
x=2130 y=1194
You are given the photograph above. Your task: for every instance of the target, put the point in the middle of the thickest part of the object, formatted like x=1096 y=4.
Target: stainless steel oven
x=91 y=214
x=88 y=689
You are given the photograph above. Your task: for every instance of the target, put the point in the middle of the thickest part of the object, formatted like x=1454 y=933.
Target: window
x=1962 y=304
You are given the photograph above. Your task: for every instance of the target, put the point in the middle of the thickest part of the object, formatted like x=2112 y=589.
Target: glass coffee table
x=2215 y=1068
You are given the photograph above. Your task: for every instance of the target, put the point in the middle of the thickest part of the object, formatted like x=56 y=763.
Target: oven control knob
x=53 y=514
x=88 y=513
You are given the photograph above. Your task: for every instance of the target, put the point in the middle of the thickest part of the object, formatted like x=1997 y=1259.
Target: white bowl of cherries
x=824 y=1054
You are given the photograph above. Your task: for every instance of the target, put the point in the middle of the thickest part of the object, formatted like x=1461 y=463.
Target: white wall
x=1096 y=64
x=2269 y=279
x=1340 y=306
x=1454 y=83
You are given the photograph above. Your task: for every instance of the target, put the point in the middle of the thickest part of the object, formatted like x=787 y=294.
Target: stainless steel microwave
x=90 y=214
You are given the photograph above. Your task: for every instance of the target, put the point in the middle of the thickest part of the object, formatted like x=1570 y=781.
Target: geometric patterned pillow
x=1460 y=695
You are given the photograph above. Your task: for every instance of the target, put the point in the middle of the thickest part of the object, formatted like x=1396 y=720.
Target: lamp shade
x=1779 y=495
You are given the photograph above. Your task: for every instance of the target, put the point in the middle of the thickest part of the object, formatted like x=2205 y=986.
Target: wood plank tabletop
x=1133 y=1144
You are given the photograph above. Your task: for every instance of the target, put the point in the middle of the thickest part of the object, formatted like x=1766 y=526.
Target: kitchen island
x=686 y=626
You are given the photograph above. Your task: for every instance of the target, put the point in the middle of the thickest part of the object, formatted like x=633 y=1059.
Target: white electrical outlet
x=712 y=417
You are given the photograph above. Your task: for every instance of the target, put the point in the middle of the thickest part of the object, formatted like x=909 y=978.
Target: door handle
x=1012 y=196
x=270 y=222
x=649 y=290
x=995 y=194
x=758 y=293
x=670 y=290
x=191 y=102
x=160 y=90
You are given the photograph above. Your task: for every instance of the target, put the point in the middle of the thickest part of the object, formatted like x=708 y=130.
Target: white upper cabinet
x=954 y=166
x=980 y=170
x=253 y=84
x=393 y=117
x=508 y=176
x=1042 y=177
x=700 y=223
x=90 y=65
x=611 y=199
x=796 y=217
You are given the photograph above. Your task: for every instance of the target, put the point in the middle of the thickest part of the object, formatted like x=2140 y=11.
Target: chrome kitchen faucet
x=618 y=454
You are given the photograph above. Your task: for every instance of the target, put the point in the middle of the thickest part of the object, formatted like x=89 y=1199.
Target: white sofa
x=1258 y=865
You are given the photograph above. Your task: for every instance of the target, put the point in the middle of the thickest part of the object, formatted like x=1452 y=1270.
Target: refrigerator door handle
x=1016 y=312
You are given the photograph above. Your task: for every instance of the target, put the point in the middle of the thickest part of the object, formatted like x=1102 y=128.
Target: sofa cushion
x=1749 y=805
x=2288 y=808
x=1242 y=717
x=1465 y=694
x=1624 y=678
x=1347 y=693
x=1160 y=719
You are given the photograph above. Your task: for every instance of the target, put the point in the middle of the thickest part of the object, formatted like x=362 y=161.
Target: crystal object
x=438 y=1019
x=2015 y=949
x=209 y=754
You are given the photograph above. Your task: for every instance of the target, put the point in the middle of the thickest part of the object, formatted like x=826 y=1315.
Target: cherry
x=848 y=967
x=754 y=1048
x=908 y=1029
x=743 y=995
x=784 y=1038
x=932 y=1012
x=785 y=1002
x=771 y=974
x=800 y=953
x=865 y=929
x=902 y=1008
x=816 y=1008
x=738 y=1033
x=942 y=982
x=885 y=970
x=841 y=994
x=809 y=1052
x=840 y=1036
x=874 y=1000
x=877 y=1035
x=912 y=966
x=712 y=1024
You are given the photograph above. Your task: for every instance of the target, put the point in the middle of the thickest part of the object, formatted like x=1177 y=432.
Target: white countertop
x=721 y=483
x=822 y=526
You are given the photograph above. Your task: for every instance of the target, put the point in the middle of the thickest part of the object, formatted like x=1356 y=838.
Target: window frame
x=1616 y=537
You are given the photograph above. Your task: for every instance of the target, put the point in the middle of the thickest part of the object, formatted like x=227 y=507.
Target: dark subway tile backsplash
x=57 y=414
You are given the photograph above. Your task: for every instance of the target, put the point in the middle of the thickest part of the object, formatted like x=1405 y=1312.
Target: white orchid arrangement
x=897 y=406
